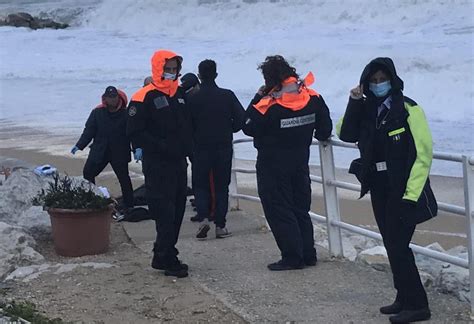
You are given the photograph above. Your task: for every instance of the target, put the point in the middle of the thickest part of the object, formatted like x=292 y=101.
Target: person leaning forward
x=395 y=147
x=159 y=124
x=106 y=126
x=282 y=118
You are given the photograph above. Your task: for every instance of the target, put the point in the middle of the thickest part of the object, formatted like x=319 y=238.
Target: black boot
x=158 y=264
x=176 y=269
x=407 y=316
x=309 y=262
x=282 y=266
x=394 y=308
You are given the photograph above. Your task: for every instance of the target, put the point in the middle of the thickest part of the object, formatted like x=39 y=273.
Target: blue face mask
x=169 y=76
x=380 y=89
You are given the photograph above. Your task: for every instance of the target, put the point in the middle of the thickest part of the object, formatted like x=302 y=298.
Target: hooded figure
x=106 y=127
x=395 y=147
x=159 y=124
x=112 y=92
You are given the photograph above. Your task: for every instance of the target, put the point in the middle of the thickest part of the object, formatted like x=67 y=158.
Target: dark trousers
x=285 y=192
x=219 y=161
x=396 y=239
x=166 y=184
x=92 y=169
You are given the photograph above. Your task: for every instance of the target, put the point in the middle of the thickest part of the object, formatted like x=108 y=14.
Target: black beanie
x=188 y=81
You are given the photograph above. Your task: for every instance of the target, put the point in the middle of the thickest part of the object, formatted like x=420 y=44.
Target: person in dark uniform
x=106 y=126
x=395 y=158
x=216 y=114
x=159 y=124
x=282 y=118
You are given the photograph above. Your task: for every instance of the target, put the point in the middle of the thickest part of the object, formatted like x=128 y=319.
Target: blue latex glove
x=138 y=154
x=74 y=149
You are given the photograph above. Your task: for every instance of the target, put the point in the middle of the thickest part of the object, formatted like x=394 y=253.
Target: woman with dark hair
x=275 y=70
x=282 y=118
x=395 y=159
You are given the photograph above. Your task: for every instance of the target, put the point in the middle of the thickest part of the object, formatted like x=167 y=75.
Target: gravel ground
x=129 y=292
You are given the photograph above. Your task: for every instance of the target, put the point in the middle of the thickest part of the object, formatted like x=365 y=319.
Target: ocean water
x=51 y=79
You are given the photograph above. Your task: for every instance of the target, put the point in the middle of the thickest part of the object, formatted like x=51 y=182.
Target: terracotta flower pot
x=78 y=232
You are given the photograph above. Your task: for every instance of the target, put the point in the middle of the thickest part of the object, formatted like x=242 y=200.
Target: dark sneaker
x=408 y=316
x=222 y=232
x=282 y=266
x=394 y=308
x=196 y=218
x=202 y=231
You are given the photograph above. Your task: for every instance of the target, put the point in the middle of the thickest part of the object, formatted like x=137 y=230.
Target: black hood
x=385 y=64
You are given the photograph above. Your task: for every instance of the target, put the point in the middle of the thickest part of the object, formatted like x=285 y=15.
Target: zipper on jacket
x=427 y=205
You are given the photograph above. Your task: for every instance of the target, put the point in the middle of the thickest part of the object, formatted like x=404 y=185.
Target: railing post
x=468 y=175
x=233 y=190
x=330 y=198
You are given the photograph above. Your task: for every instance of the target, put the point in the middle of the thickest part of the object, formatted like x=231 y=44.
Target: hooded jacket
x=108 y=132
x=407 y=142
x=158 y=121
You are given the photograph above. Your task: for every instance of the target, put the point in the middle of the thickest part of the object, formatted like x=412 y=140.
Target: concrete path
x=334 y=291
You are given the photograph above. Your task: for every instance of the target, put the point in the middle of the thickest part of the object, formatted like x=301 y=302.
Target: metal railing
x=333 y=217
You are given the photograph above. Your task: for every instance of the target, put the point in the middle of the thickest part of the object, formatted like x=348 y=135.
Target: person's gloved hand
x=138 y=154
x=408 y=212
x=74 y=149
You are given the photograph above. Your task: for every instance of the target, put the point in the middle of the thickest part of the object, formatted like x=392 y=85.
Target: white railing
x=333 y=218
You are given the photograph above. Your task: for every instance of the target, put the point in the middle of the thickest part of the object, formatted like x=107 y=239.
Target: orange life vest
x=293 y=101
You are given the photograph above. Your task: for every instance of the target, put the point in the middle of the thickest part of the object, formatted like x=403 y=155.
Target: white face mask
x=169 y=76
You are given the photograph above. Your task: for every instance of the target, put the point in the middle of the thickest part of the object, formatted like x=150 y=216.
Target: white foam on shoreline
x=60 y=94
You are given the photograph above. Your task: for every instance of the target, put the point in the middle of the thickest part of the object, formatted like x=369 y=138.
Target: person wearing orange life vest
x=159 y=124
x=282 y=118
x=106 y=126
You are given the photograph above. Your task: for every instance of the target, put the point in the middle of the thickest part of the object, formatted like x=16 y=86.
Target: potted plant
x=80 y=218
